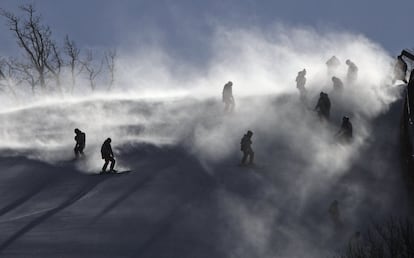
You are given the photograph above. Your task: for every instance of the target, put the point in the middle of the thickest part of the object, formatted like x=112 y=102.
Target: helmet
x=249 y=133
x=77 y=130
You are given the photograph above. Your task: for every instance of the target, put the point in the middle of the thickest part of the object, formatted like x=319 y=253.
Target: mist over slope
x=155 y=93
x=167 y=124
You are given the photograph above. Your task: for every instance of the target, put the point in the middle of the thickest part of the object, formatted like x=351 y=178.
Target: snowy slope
x=185 y=196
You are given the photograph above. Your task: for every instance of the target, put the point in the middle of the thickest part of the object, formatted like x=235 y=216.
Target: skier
x=80 y=142
x=337 y=84
x=323 y=107
x=352 y=74
x=246 y=148
x=400 y=70
x=332 y=64
x=345 y=132
x=228 y=98
x=300 y=84
x=107 y=155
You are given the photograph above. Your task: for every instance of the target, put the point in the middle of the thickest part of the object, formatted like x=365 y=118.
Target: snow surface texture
x=186 y=197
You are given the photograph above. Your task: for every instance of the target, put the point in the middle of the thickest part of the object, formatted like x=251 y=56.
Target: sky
x=184 y=27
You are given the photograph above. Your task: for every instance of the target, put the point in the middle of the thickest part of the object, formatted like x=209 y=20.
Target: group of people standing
x=322 y=107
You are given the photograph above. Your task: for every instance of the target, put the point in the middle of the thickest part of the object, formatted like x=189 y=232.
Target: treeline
x=44 y=66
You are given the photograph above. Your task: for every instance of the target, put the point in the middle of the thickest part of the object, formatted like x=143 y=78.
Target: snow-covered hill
x=186 y=196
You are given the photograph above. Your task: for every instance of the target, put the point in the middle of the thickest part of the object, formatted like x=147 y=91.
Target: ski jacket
x=245 y=143
x=106 y=150
x=80 y=139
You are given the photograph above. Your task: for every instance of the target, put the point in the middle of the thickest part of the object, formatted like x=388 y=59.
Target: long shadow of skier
x=89 y=185
x=122 y=197
x=144 y=150
x=137 y=186
x=27 y=196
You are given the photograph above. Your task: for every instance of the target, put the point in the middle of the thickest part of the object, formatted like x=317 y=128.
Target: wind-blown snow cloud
x=160 y=101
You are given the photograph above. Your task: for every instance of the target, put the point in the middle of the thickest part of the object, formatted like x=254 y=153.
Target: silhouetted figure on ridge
x=332 y=65
x=246 y=148
x=80 y=140
x=338 y=85
x=228 y=98
x=345 y=132
x=300 y=84
x=352 y=74
x=107 y=155
x=400 y=70
x=323 y=107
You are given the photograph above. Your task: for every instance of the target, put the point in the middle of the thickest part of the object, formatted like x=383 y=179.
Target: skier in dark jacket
x=345 y=132
x=107 y=155
x=246 y=148
x=80 y=142
x=323 y=107
x=228 y=98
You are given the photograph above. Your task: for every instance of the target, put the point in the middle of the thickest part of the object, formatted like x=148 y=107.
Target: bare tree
x=55 y=66
x=72 y=51
x=25 y=73
x=8 y=77
x=110 y=60
x=35 y=40
x=91 y=70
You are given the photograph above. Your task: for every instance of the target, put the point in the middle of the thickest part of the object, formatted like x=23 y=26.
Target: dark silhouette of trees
x=110 y=61
x=44 y=63
x=35 y=39
x=7 y=72
x=73 y=52
x=91 y=70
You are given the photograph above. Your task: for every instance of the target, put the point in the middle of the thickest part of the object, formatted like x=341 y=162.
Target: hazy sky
x=183 y=27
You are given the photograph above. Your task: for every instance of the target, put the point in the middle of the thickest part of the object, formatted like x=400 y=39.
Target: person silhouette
x=335 y=214
x=345 y=132
x=332 y=65
x=228 y=98
x=300 y=84
x=80 y=139
x=352 y=74
x=323 y=107
x=337 y=84
x=246 y=148
x=108 y=155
